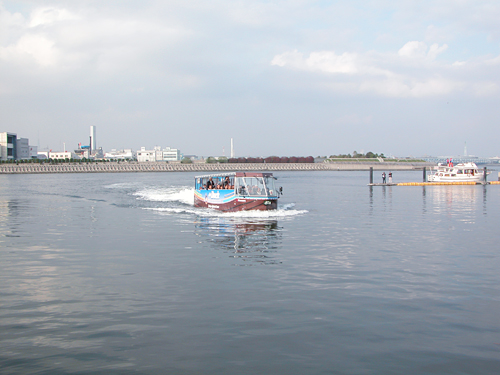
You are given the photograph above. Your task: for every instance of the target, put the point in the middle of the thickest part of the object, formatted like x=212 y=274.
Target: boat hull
x=234 y=203
x=476 y=178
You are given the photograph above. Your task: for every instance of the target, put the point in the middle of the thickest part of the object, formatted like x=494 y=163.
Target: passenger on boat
x=227 y=183
x=210 y=183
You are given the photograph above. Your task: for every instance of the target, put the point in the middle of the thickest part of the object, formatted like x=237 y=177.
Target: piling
x=485 y=176
x=424 y=177
x=371 y=175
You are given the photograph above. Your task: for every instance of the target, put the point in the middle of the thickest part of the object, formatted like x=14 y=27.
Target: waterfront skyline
x=280 y=78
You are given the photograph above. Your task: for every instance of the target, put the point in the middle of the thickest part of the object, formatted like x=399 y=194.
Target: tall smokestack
x=232 y=148
x=93 y=143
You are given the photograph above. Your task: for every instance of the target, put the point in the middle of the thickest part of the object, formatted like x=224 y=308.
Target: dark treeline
x=274 y=159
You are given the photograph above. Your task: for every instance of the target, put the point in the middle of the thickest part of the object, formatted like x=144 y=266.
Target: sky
x=285 y=78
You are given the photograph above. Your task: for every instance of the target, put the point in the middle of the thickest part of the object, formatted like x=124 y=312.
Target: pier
x=435 y=183
x=131 y=167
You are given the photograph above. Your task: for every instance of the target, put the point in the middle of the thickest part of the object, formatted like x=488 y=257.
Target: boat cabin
x=236 y=191
x=242 y=183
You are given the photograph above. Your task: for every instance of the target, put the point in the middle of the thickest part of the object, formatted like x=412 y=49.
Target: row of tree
x=270 y=159
x=356 y=155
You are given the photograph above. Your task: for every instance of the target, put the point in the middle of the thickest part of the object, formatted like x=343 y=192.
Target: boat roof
x=459 y=165
x=237 y=174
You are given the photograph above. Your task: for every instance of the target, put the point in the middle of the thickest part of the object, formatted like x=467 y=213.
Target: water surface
x=119 y=273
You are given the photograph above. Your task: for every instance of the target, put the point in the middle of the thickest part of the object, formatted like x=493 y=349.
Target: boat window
x=255 y=186
x=219 y=181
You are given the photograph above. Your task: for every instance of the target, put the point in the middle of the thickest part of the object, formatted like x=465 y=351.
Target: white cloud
x=108 y=43
x=35 y=47
x=324 y=61
x=414 y=49
x=420 y=50
x=327 y=61
x=47 y=16
x=411 y=72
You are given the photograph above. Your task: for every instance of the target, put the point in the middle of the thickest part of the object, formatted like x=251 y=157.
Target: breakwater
x=110 y=167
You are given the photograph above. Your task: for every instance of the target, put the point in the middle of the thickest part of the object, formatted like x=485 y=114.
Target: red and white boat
x=236 y=191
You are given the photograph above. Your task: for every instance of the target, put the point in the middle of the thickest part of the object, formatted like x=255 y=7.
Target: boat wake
x=180 y=200
x=183 y=195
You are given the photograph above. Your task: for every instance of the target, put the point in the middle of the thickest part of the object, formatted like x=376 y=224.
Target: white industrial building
x=114 y=154
x=61 y=155
x=171 y=154
x=157 y=154
x=56 y=155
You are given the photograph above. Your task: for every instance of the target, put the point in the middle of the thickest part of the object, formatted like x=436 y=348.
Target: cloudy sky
x=294 y=77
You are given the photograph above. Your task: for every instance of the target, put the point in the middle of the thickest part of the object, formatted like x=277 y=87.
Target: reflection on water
x=247 y=242
x=459 y=201
x=13 y=212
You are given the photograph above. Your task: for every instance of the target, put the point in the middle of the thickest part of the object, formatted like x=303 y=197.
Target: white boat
x=456 y=173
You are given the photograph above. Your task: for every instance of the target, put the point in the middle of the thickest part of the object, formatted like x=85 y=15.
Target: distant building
x=157 y=154
x=13 y=148
x=56 y=155
x=61 y=155
x=23 y=149
x=126 y=154
x=85 y=152
x=82 y=151
x=8 y=145
x=171 y=154
x=146 y=155
x=42 y=154
x=33 y=152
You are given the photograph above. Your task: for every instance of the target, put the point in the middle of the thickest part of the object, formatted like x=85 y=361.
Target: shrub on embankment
x=272 y=159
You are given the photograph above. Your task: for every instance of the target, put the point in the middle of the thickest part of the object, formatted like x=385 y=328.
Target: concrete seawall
x=201 y=167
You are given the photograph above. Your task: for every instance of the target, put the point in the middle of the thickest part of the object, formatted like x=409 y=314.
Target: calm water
x=118 y=274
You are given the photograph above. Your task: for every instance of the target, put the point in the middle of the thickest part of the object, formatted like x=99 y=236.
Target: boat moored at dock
x=236 y=191
x=463 y=172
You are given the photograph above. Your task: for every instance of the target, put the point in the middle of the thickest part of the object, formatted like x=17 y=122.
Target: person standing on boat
x=210 y=183
x=390 y=177
x=383 y=177
x=227 y=183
